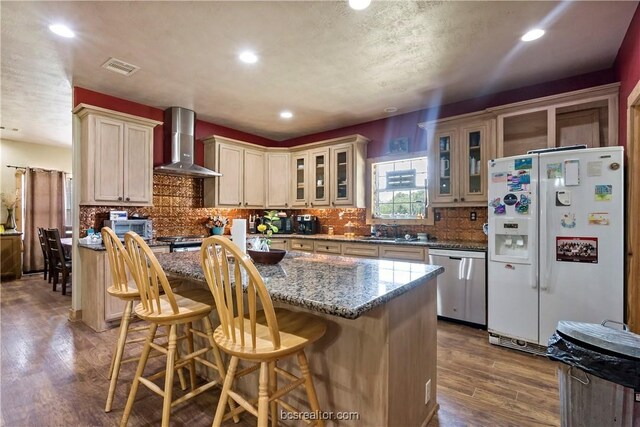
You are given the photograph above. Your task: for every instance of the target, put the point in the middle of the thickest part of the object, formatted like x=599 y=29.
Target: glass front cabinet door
x=300 y=169
x=342 y=172
x=473 y=163
x=319 y=178
x=444 y=165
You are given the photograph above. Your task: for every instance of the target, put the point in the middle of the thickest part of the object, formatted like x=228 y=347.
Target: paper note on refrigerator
x=571 y=172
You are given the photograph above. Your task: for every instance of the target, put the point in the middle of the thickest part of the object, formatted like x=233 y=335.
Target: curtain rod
x=42 y=169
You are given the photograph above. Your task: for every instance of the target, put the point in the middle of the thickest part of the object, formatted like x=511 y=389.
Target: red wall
x=627 y=69
x=162 y=154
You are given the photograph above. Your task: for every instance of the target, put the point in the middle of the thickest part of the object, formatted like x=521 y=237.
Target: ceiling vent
x=120 y=67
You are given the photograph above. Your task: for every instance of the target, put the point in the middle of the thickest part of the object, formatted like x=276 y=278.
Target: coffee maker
x=307 y=224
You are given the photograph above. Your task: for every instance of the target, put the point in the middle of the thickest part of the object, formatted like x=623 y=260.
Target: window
x=399 y=189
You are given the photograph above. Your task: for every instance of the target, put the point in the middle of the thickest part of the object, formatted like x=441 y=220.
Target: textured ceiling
x=330 y=65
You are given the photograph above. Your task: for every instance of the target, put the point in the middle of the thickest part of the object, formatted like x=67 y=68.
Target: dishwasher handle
x=456 y=258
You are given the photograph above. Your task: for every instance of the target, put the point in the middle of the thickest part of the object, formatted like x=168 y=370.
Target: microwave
x=142 y=227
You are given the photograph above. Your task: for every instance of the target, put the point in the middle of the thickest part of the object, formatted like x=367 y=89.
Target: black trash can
x=599 y=378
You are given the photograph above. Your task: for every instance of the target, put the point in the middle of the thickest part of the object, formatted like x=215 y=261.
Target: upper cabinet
x=116 y=157
x=243 y=174
x=330 y=173
x=585 y=117
x=458 y=151
x=278 y=181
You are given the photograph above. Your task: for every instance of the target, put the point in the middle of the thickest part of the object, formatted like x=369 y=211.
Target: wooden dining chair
x=260 y=337
x=60 y=264
x=160 y=305
x=45 y=253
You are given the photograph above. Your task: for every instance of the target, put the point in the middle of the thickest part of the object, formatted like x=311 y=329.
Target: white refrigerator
x=556 y=243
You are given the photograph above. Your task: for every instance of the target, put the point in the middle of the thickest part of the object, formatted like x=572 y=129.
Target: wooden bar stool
x=123 y=287
x=261 y=337
x=172 y=310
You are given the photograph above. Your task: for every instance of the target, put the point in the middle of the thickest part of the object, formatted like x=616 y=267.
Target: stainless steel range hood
x=179 y=131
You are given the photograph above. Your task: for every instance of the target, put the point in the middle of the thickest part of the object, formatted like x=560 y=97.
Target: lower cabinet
x=303 y=245
x=98 y=307
x=364 y=250
x=11 y=256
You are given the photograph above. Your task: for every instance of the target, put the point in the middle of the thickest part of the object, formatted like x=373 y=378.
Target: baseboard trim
x=431 y=414
x=75 y=315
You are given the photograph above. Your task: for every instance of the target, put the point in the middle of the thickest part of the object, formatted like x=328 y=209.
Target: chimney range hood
x=179 y=131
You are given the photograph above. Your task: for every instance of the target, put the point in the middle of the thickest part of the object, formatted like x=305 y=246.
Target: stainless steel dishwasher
x=462 y=287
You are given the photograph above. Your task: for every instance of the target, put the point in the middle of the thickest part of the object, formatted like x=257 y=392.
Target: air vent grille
x=120 y=67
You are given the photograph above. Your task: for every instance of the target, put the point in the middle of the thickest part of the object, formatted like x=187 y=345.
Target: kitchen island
x=379 y=351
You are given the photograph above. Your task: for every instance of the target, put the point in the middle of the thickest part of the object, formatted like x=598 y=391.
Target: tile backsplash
x=178 y=210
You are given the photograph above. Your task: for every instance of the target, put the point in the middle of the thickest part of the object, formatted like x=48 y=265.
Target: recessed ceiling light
x=62 y=30
x=532 y=35
x=286 y=114
x=248 y=57
x=359 y=4
x=390 y=109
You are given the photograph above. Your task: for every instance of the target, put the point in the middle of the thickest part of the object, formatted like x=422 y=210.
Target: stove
x=183 y=243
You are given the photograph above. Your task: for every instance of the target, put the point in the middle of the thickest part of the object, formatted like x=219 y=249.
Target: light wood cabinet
x=301 y=180
x=11 y=256
x=458 y=155
x=304 y=245
x=366 y=250
x=242 y=166
x=327 y=247
x=585 y=117
x=402 y=253
x=280 y=244
x=99 y=309
x=330 y=173
x=117 y=158
x=278 y=180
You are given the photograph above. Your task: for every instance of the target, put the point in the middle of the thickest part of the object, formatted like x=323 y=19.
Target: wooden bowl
x=274 y=256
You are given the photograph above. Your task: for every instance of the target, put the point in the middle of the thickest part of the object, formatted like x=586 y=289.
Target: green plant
x=267 y=228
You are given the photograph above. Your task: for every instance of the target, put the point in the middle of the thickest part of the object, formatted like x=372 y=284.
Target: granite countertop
x=11 y=233
x=100 y=246
x=336 y=285
x=444 y=244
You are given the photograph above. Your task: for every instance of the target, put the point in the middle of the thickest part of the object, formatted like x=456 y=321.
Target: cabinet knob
x=128 y=199
x=333 y=203
x=246 y=203
x=286 y=205
x=239 y=203
x=120 y=198
x=455 y=200
x=311 y=204
x=462 y=199
x=306 y=204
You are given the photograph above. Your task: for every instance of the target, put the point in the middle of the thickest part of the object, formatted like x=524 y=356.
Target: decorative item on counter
x=267 y=229
x=422 y=237
x=330 y=230
x=261 y=251
x=10 y=201
x=216 y=224
x=348 y=230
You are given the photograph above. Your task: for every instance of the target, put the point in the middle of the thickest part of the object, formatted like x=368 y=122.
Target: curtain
x=43 y=207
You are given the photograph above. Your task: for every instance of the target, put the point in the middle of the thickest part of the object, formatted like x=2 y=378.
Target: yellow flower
x=262 y=228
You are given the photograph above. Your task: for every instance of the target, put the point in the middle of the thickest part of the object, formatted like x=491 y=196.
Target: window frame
x=429 y=216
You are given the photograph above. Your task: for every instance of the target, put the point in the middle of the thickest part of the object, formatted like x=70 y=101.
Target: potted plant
x=262 y=252
x=10 y=201
x=216 y=224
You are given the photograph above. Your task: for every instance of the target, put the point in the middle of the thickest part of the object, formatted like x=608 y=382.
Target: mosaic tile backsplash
x=178 y=210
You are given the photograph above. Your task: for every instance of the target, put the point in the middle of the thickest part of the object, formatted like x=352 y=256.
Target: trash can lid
x=612 y=340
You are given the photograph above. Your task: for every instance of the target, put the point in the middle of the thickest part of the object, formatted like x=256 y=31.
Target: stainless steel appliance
x=307 y=224
x=142 y=227
x=462 y=287
x=183 y=243
x=179 y=131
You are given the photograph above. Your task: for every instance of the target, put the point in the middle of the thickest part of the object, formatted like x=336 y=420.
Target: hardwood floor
x=54 y=373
